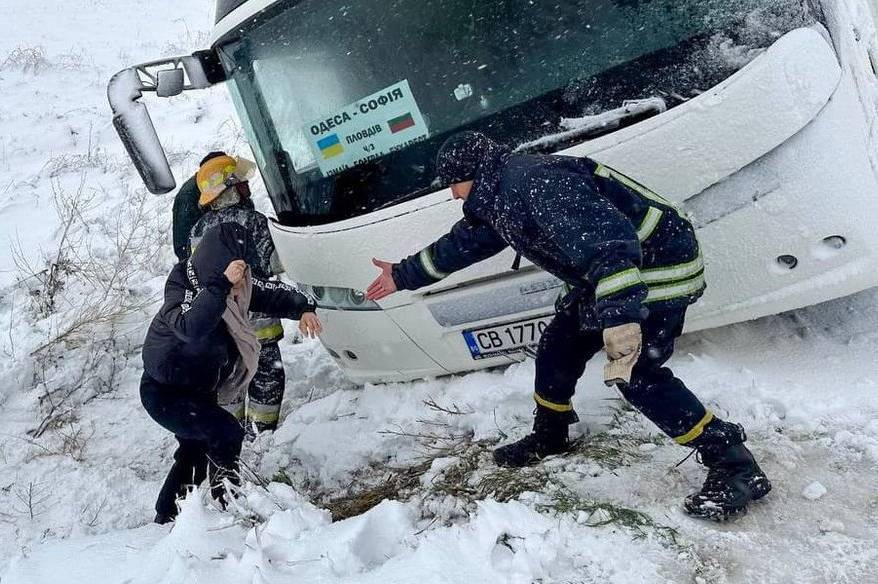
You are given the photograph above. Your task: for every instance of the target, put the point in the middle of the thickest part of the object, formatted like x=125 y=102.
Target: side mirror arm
x=131 y=117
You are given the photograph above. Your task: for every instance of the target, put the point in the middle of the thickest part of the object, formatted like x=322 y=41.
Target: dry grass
x=454 y=489
x=474 y=478
x=609 y=450
x=392 y=484
x=604 y=513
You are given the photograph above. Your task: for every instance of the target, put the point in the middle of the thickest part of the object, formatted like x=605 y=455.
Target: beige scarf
x=231 y=392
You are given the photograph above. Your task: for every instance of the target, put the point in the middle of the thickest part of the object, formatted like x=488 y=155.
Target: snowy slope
x=76 y=491
x=69 y=192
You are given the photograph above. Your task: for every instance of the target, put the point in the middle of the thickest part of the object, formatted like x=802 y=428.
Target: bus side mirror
x=169 y=83
x=167 y=78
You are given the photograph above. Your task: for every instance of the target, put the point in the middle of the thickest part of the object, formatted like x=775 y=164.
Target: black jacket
x=187 y=343
x=618 y=246
x=185 y=215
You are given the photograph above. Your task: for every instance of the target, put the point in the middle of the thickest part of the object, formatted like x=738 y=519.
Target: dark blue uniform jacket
x=620 y=248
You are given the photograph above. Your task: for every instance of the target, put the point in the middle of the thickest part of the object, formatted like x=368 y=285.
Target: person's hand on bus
x=383 y=285
x=235 y=271
x=310 y=326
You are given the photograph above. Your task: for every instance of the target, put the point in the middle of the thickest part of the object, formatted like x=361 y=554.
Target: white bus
x=757 y=117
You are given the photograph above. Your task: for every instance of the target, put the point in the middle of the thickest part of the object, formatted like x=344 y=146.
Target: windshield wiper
x=600 y=124
x=577 y=128
x=408 y=197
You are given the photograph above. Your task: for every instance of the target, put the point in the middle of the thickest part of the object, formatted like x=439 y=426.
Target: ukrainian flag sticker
x=330 y=146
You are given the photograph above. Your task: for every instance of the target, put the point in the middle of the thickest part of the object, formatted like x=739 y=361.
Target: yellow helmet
x=219 y=173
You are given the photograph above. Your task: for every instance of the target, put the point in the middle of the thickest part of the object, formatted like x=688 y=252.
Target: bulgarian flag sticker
x=400 y=123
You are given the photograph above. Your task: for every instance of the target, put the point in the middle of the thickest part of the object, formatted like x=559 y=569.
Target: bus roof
x=230 y=14
x=224 y=7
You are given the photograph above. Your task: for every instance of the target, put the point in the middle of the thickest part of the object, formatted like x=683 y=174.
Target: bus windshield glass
x=347 y=103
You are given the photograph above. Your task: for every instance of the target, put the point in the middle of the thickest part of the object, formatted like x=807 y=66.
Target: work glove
x=622 y=344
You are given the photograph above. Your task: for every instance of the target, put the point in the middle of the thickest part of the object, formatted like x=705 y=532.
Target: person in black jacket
x=187 y=212
x=192 y=349
x=631 y=266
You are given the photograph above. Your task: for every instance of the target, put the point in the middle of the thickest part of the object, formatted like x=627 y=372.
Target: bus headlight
x=357 y=297
x=332 y=298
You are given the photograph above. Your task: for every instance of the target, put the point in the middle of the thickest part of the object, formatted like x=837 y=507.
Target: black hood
x=481 y=201
x=460 y=156
x=219 y=246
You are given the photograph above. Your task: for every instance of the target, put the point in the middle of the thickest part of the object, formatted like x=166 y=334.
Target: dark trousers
x=209 y=439
x=565 y=349
x=266 y=391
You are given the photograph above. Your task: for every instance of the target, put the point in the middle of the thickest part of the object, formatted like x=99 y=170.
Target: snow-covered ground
x=802 y=383
x=80 y=462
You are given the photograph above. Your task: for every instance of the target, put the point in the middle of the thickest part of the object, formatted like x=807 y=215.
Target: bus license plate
x=505 y=338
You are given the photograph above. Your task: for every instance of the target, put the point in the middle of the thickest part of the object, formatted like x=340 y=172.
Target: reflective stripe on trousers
x=263 y=413
x=266 y=391
x=565 y=349
x=235 y=408
x=266 y=328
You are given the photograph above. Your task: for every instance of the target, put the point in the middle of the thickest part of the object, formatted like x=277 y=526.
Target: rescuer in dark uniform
x=229 y=201
x=631 y=265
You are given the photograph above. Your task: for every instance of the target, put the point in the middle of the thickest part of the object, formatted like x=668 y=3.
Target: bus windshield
x=346 y=103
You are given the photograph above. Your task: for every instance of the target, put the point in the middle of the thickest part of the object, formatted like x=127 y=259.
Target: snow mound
x=500 y=543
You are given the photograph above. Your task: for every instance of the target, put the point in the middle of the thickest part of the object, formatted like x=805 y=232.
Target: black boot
x=549 y=437
x=733 y=477
x=163 y=518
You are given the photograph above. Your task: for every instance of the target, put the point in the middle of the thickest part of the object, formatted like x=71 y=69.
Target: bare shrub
x=436 y=440
x=65 y=163
x=91 y=513
x=30 y=499
x=44 y=281
x=34 y=60
x=26 y=59
x=83 y=293
x=62 y=395
x=94 y=157
x=188 y=41
x=72 y=61
x=69 y=440
x=103 y=277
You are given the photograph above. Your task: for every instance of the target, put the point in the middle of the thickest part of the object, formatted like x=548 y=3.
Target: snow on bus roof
x=225 y=7
x=232 y=13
